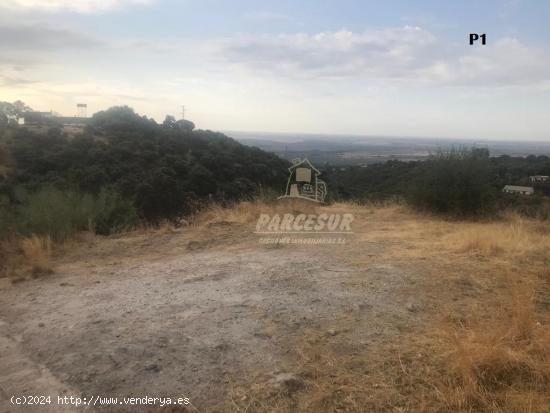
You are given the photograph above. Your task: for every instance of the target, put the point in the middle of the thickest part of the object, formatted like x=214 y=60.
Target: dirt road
x=174 y=315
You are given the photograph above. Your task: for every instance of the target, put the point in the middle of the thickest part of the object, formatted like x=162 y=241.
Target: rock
x=412 y=307
x=288 y=382
x=364 y=307
x=332 y=332
x=153 y=367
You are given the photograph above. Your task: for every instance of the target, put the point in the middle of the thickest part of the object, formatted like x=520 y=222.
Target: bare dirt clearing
x=210 y=314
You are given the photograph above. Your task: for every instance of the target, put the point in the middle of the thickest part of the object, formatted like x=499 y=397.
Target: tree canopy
x=163 y=169
x=12 y=111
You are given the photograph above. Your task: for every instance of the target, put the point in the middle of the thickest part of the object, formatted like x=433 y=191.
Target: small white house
x=521 y=190
x=539 y=179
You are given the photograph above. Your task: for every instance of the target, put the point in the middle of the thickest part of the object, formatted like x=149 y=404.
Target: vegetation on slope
x=123 y=167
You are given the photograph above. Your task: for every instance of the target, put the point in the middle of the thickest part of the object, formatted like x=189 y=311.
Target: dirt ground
x=198 y=312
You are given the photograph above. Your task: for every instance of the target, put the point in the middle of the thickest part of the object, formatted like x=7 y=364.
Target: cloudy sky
x=397 y=68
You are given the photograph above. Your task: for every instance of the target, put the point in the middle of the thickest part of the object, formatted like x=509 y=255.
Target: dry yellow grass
x=248 y=212
x=514 y=237
x=38 y=252
x=500 y=362
x=8 y=249
x=485 y=347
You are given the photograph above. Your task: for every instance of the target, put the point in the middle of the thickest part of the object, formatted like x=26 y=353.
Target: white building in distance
x=521 y=190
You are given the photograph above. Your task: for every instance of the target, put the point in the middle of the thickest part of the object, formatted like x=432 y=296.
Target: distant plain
x=344 y=150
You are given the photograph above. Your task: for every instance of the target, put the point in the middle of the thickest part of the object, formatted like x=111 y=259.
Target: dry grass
x=20 y=257
x=485 y=346
x=486 y=364
x=331 y=380
x=9 y=249
x=325 y=382
x=501 y=362
x=248 y=212
x=38 y=252
x=516 y=237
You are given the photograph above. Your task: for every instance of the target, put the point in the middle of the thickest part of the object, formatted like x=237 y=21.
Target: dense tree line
x=460 y=181
x=164 y=170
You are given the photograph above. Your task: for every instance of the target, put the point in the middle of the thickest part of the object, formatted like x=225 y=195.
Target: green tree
x=457 y=182
x=163 y=171
x=15 y=110
x=3 y=120
x=169 y=122
x=185 y=125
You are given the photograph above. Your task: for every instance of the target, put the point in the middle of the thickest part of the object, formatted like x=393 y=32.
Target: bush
x=535 y=206
x=6 y=221
x=59 y=214
x=52 y=212
x=457 y=182
x=114 y=213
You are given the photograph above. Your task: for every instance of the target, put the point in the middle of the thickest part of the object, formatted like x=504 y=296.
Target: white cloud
x=80 y=6
x=506 y=63
x=343 y=53
x=408 y=54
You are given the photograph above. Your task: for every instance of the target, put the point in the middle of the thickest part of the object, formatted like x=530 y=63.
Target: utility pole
x=182 y=111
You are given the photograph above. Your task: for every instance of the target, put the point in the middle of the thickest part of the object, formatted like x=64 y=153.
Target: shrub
x=52 y=212
x=6 y=214
x=114 y=213
x=456 y=182
x=535 y=206
x=59 y=214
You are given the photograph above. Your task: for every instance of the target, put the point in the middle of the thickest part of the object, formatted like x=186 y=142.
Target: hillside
x=413 y=313
x=121 y=170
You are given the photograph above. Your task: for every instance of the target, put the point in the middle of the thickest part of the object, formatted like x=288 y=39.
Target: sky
x=384 y=68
